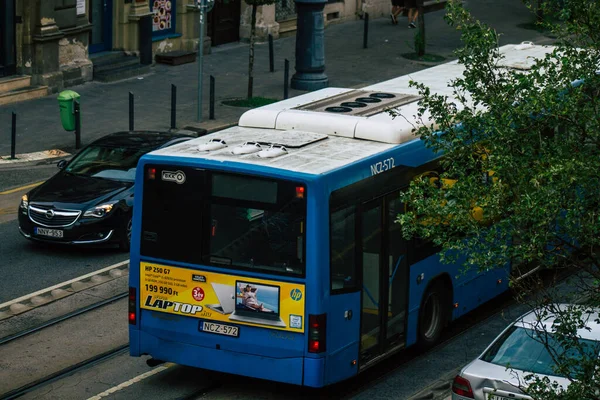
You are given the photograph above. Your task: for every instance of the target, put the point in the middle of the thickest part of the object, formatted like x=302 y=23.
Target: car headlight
x=99 y=211
x=24 y=202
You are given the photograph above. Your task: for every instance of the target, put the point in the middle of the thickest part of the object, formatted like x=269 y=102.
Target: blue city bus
x=270 y=249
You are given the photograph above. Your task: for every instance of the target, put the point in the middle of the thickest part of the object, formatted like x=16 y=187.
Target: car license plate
x=220 y=329
x=57 y=233
x=496 y=397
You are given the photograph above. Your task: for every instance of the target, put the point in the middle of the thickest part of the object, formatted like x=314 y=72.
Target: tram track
x=65 y=372
x=345 y=390
x=62 y=318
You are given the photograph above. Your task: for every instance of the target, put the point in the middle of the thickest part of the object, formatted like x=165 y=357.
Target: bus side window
x=343 y=249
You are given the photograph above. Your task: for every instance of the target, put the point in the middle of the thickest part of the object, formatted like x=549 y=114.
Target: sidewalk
x=105 y=106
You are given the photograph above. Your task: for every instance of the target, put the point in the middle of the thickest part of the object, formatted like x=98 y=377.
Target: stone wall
x=265 y=22
x=52 y=43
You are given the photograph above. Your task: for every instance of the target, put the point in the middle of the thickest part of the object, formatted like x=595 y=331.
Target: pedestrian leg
x=412 y=17
x=393 y=14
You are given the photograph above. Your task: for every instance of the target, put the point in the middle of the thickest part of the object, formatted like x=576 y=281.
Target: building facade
x=279 y=19
x=55 y=42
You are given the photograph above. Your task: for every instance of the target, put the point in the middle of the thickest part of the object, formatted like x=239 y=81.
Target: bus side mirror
x=61 y=164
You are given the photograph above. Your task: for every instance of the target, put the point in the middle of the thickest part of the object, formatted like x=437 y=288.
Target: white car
x=520 y=346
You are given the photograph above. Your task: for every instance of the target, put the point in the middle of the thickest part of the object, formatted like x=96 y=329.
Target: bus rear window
x=226 y=220
x=244 y=188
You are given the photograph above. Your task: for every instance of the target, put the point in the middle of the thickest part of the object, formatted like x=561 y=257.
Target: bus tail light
x=151 y=173
x=462 y=387
x=317 y=325
x=132 y=316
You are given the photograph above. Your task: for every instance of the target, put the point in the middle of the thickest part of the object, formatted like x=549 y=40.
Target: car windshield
x=527 y=350
x=110 y=162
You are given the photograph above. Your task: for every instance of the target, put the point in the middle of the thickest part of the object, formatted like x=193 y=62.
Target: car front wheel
x=125 y=241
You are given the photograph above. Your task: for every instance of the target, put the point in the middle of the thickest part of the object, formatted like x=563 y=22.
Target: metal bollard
x=13 y=136
x=173 y=106
x=211 y=110
x=286 y=78
x=130 y=111
x=421 y=27
x=77 y=111
x=271 y=57
x=366 y=31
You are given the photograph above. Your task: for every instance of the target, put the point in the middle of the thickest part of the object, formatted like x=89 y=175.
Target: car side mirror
x=61 y=164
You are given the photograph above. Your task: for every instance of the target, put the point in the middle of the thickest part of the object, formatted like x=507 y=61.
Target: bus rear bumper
x=286 y=370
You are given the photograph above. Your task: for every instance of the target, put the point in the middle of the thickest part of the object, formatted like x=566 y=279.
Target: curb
x=45 y=296
x=38 y=157
x=440 y=389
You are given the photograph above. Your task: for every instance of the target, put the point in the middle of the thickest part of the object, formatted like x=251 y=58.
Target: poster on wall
x=163 y=15
x=81 y=7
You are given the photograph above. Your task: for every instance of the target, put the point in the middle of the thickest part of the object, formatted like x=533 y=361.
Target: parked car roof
x=548 y=318
x=147 y=140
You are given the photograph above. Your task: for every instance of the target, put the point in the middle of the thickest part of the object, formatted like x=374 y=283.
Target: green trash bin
x=65 y=104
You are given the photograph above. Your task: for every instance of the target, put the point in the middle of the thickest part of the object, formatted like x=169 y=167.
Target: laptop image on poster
x=225 y=295
x=257 y=304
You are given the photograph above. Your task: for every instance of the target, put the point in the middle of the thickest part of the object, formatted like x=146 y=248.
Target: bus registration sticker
x=220 y=329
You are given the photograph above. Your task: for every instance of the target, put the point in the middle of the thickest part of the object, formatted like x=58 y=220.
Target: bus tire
x=433 y=314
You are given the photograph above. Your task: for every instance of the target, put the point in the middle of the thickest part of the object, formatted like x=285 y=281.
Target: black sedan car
x=90 y=200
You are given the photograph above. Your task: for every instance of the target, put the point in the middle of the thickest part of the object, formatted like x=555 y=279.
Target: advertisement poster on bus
x=222 y=298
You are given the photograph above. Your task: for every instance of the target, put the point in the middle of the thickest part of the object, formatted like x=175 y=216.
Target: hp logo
x=296 y=294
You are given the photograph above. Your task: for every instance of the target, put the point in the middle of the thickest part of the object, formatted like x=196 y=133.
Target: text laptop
x=225 y=295
x=247 y=304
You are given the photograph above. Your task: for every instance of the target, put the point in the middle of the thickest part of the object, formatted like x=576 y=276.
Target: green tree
x=254 y=4
x=522 y=151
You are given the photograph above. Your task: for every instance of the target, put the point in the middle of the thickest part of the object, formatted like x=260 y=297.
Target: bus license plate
x=57 y=233
x=220 y=329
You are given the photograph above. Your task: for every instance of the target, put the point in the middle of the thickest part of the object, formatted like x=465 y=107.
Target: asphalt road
x=27 y=267
x=130 y=378
x=399 y=377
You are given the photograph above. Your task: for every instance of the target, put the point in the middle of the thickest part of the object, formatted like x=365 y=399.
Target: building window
x=163 y=20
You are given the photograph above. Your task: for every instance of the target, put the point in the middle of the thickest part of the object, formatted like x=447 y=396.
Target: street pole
x=310 y=46
x=200 y=58
x=204 y=6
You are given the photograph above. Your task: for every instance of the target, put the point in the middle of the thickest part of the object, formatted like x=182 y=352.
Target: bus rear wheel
x=433 y=314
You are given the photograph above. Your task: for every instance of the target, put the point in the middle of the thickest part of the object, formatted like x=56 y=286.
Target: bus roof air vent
x=247 y=148
x=369 y=99
x=272 y=152
x=382 y=95
x=361 y=103
x=353 y=104
x=212 y=144
x=338 y=109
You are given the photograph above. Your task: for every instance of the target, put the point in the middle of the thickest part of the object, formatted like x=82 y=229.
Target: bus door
x=384 y=279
